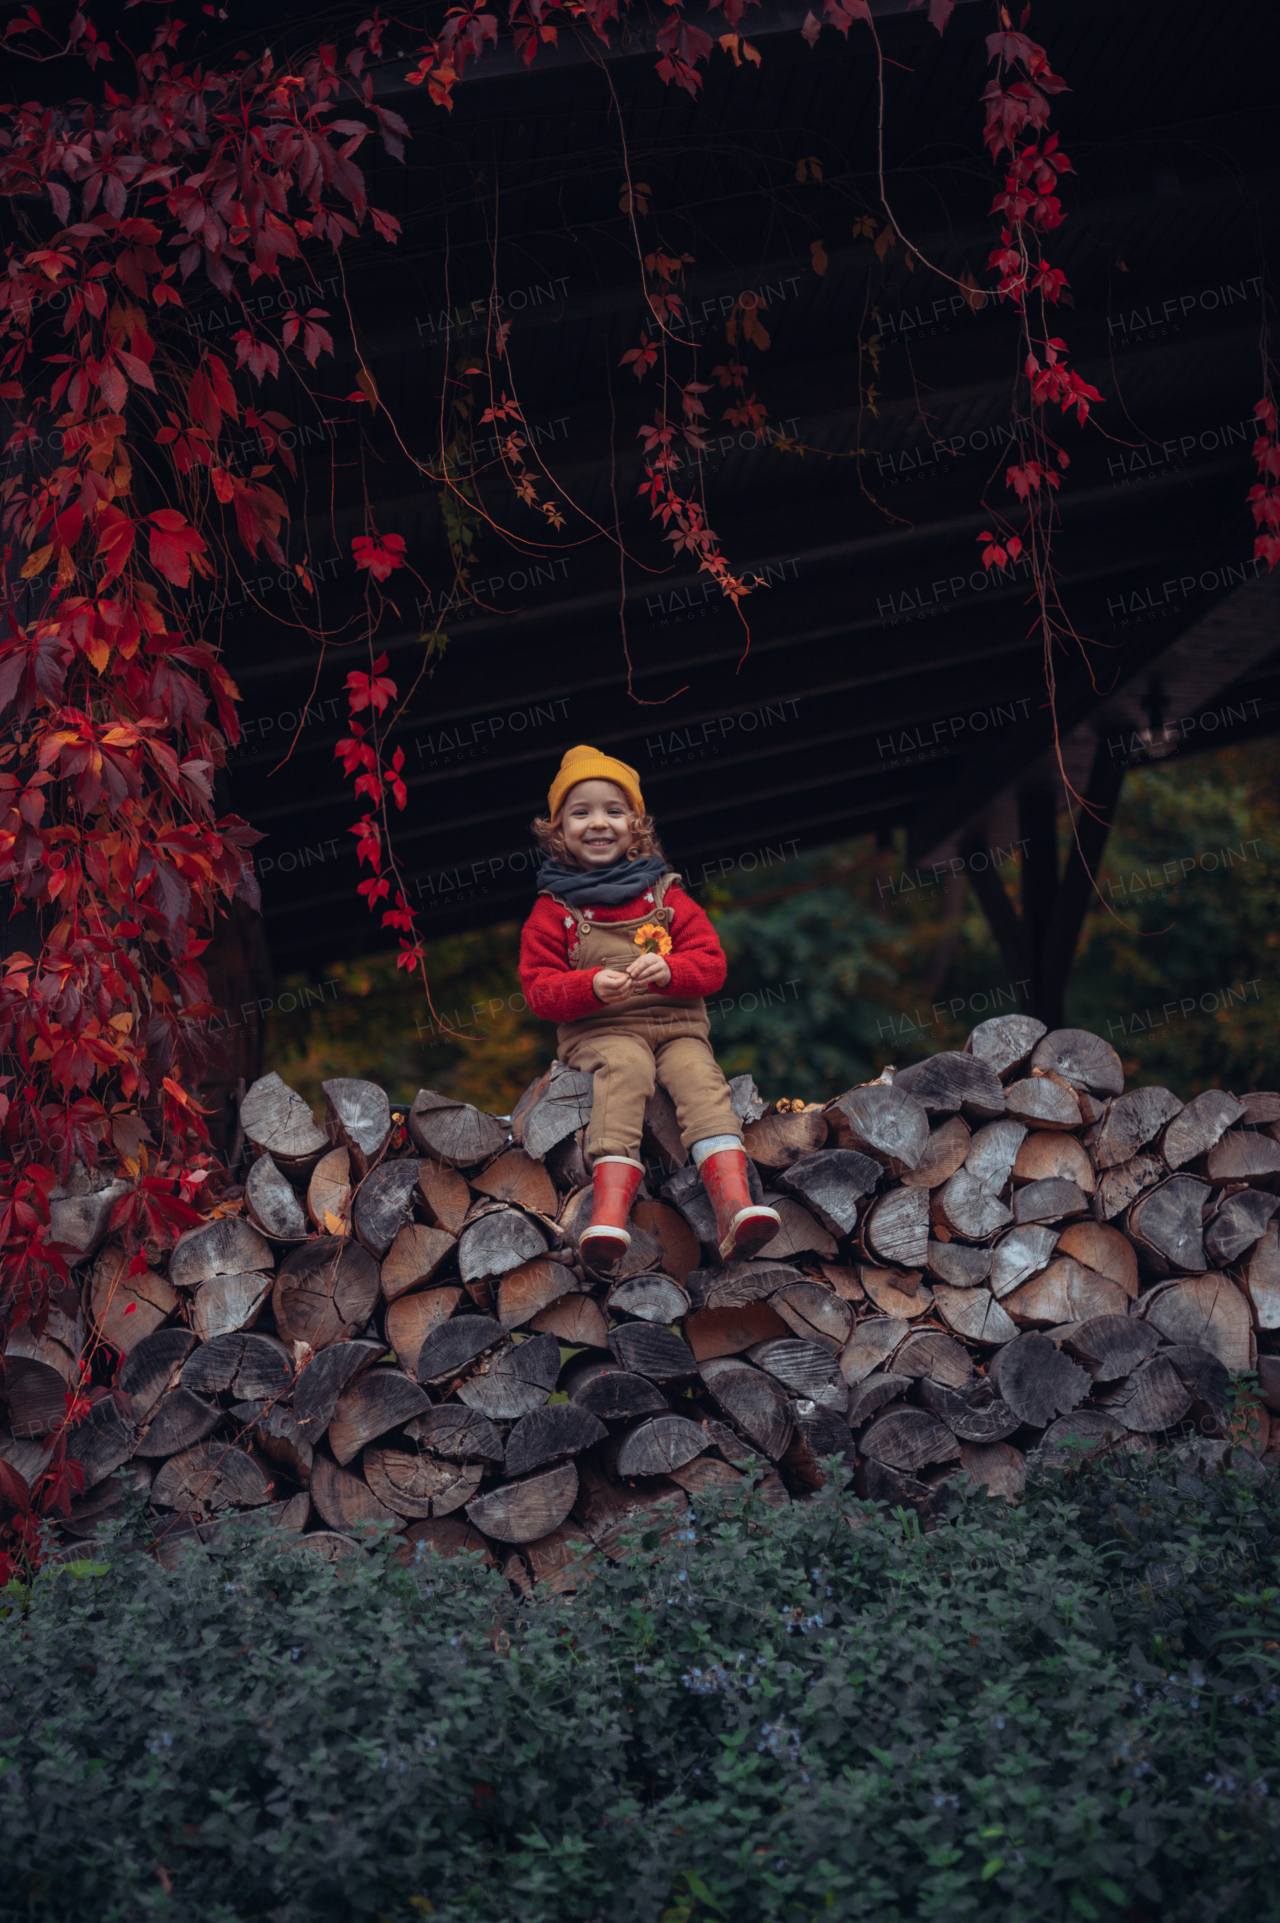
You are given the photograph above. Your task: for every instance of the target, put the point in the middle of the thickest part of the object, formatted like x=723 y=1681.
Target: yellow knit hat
x=588 y=764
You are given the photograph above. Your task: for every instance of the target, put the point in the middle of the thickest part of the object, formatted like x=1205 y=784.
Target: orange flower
x=652 y=940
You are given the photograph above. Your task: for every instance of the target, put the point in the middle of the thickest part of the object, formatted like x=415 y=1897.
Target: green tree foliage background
x=850 y=957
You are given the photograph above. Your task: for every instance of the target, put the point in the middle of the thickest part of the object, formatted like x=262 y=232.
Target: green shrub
x=1067 y=1708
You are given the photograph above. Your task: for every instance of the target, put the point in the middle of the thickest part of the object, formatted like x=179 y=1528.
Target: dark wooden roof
x=878 y=681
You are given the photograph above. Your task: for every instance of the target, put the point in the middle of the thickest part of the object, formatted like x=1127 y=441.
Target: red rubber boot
x=614 y=1181
x=742 y=1225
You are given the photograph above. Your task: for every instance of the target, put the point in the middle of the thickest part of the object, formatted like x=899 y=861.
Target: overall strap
x=664 y=882
x=580 y=922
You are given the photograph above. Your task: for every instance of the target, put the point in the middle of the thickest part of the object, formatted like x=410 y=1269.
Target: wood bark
x=357 y=1118
x=895 y=1229
x=383 y=1203
x=1130 y=1122
x=1199 y=1126
x=325 y=1291
x=1080 y=1059
x=830 y=1183
x=464 y=1435
x=552 y=1434
x=944 y=1152
x=1036 y=1380
x=524 y=1511
x=948 y=1083
x=278 y=1122
x=1005 y=1042
x=567 y=1163
x=272 y=1203
x=881 y=1121
x=377 y=1401
x=454 y=1132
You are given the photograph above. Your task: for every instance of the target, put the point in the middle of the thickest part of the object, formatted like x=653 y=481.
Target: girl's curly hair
x=549 y=835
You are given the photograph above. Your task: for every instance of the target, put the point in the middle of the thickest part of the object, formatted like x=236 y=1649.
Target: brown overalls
x=629 y=1045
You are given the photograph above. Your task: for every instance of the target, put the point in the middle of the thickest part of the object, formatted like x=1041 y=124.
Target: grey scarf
x=601 y=887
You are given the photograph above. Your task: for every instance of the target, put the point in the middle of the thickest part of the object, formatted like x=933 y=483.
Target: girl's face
x=596 y=824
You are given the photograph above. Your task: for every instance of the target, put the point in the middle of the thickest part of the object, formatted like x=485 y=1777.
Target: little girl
x=620 y=957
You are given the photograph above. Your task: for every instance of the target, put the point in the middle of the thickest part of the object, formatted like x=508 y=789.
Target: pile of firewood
x=391 y=1323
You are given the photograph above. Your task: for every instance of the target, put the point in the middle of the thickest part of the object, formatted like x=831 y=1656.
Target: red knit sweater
x=562 y=994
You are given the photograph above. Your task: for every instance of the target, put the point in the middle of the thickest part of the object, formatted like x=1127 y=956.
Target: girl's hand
x=611 y=984
x=650 y=971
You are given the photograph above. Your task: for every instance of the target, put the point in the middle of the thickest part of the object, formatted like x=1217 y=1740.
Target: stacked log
x=391 y=1325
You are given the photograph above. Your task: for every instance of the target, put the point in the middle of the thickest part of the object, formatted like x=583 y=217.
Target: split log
x=649 y=1298
x=657 y=1446
x=882 y=1121
x=1207 y=1310
x=754 y=1404
x=226 y=1245
x=383 y=1203
x=1118 y=1187
x=329 y=1192
x=1065 y=1291
x=878 y=1483
x=742 y=1282
x=250 y=1367
x=996 y=1466
x=844 y=1281
x=1240 y=1220
x=616 y=1517
x=524 y=1511
x=895 y=1294
x=325 y=1291
x=1269 y=1381
x=1199 y=1126
x=1005 y=1042
x=1165 y=1225
x=497 y=1243
x=1080 y=1059
x=1020 y=1254
x=1260 y=1278
x=515 y=1177
x=80 y=1209
x=870 y=1346
x=1242 y=1155
x=1261 y=1107
x=276 y=1431
x=567 y=1163
x=454 y=1346
x=442 y=1536
x=1205 y=1377
x=515 y=1380
x=153 y=1367
x=974 y=1413
x=660 y=1135
x=1041 y=1103
x=613 y=1393
x=125 y=1308
x=872 y=1394
x=103 y=1441
x=799 y=1233
x=1110 y=1346
x=1049 y=1155
x=455 y=1132
x=414 y=1258
x=895 y=1229
x=1049 y=1201
x=1151 y=1399
x=1130 y=1122
x=967 y=1208
x=974 y=1314
x=445 y=1196
x=685 y=1193
x=778 y=1141
x=909 y=1440
x=655 y=1353
x=558 y=1104
x=1036 y=1380
x=413 y=1486
x=679 y=1250
x=814 y=1312
x=272 y=1203
x=993 y=1153
x=379 y=1400
x=1103 y=1250
x=347 y=1503
x=1079 y=1436
x=718 y=1332
x=818 y=1435
x=454 y=1431
x=326 y=1545
x=556 y=1563
x=357 y=1118
x=324 y=1378
x=553 y=1434
x=523 y=1291
x=948 y=1083
x=830 y=1183
x=944 y=1153
x=178 y=1421
x=576 y=1320
x=706 y=1475
x=211 y=1477
x=643 y=1255
x=807 y=1369
x=955 y=1262
x=929 y=1353
x=746 y=1100
x=279 y=1123
x=228 y=1303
